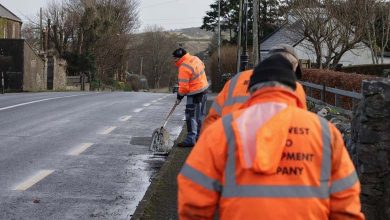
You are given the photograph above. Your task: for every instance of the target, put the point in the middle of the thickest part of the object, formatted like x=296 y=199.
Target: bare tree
x=97 y=30
x=307 y=19
x=377 y=27
x=348 y=23
x=155 y=49
x=331 y=27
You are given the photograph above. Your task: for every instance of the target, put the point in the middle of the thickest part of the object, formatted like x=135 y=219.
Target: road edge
x=161 y=194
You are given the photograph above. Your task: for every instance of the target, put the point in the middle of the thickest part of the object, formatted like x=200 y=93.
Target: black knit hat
x=179 y=53
x=274 y=68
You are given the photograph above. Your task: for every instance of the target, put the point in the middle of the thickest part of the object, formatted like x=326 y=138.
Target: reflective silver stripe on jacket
x=194 y=74
x=184 y=81
x=231 y=100
x=217 y=108
x=198 y=91
x=189 y=67
x=232 y=189
x=344 y=183
x=200 y=178
x=234 y=100
x=197 y=75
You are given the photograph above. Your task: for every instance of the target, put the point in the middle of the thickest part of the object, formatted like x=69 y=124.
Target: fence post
x=323 y=93
x=353 y=101
x=336 y=99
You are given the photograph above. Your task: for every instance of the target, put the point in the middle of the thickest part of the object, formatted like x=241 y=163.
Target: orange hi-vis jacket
x=270 y=160
x=192 y=76
x=234 y=94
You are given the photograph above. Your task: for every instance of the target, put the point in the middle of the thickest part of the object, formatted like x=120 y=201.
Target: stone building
x=25 y=68
x=10 y=24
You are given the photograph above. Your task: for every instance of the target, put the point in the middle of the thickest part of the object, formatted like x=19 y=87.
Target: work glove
x=179 y=97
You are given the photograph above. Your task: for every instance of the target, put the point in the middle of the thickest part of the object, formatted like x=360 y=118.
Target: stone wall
x=59 y=77
x=34 y=70
x=371 y=148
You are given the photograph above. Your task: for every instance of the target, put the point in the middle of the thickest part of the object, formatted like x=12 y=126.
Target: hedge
x=345 y=81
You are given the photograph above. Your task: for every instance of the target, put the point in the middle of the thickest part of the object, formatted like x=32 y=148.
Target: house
x=10 y=24
x=284 y=35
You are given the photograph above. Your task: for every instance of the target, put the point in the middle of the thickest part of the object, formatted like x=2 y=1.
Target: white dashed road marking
x=33 y=180
x=125 y=118
x=80 y=149
x=108 y=130
x=147 y=104
x=138 y=110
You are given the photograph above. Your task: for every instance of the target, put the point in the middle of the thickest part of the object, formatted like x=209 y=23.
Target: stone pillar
x=371 y=148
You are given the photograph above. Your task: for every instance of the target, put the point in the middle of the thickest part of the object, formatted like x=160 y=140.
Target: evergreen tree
x=268 y=16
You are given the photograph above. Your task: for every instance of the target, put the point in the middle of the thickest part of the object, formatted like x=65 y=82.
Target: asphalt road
x=79 y=155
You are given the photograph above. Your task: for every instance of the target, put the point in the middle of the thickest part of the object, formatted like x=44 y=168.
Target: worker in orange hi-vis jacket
x=193 y=84
x=235 y=92
x=272 y=159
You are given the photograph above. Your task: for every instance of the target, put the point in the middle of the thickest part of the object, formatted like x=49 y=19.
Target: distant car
x=175 y=88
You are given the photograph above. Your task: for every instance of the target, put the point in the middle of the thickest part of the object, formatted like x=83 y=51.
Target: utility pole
x=219 y=40
x=256 y=48
x=244 y=55
x=41 y=28
x=142 y=62
x=239 y=38
x=2 y=83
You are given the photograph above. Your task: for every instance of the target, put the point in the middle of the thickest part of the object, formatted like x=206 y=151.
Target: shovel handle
x=169 y=115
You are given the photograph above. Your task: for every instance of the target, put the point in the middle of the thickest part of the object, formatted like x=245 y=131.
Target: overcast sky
x=170 y=14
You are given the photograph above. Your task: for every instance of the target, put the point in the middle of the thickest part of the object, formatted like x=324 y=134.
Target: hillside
x=196 y=40
x=194 y=33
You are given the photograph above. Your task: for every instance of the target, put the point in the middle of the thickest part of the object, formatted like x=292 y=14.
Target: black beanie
x=179 y=53
x=274 y=68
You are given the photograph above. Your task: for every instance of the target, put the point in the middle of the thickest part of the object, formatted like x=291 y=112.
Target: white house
x=359 y=56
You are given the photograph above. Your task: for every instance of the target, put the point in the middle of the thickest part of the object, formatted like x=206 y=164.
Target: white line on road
x=154 y=101
x=80 y=149
x=41 y=100
x=138 y=110
x=108 y=130
x=125 y=118
x=147 y=104
x=33 y=180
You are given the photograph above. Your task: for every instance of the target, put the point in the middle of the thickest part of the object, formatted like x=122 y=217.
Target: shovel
x=160 y=137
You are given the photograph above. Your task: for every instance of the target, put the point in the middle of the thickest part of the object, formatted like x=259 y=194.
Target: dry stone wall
x=371 y=148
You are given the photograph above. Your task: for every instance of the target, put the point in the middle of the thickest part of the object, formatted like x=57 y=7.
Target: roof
x=5 y=13
x=282 y=35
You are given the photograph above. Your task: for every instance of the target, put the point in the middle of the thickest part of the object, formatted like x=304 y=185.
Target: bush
x=95 y=85
x=345 y=81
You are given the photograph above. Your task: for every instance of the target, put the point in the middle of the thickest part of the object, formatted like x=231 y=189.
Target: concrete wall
x=34 y=72
x=371 y=148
